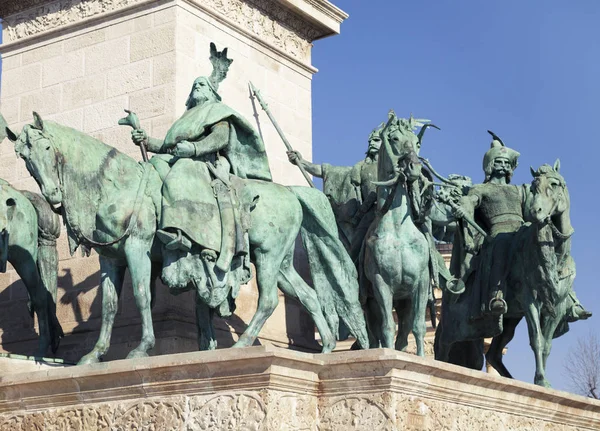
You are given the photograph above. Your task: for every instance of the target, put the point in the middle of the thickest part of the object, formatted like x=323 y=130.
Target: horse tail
x=333 y=272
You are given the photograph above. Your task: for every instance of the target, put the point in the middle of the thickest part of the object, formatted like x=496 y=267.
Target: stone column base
x=266 y=388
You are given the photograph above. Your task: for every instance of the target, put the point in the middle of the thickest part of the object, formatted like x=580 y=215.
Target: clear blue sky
x=528 y=70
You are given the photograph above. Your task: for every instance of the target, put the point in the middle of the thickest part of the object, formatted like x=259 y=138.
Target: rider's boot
x=174 y=240
x=577 y=312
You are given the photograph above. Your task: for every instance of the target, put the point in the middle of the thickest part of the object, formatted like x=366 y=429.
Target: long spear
x=265 y=107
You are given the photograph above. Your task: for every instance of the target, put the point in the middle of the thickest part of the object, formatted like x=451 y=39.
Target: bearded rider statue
x=351 y=192
x=202 y=148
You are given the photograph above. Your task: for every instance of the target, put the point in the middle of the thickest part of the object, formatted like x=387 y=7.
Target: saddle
x=201 y=199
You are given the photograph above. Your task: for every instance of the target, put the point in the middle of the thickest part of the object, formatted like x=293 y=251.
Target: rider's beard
x=372 y=154
x=196 y=99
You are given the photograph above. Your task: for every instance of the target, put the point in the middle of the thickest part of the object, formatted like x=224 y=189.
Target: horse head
x=398 y=159
x=550 y=196
x=34 y=146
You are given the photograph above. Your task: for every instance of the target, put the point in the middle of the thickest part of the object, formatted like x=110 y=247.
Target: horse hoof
x=90 y=358
x=211 y=345
x=541 y=381
x=137 y=354
x=242 y=343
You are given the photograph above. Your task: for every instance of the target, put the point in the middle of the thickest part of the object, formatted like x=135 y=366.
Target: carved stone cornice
x=269 y=21
x=9 y=7
x=285 y=24
x=264 y=387
x=48 y=15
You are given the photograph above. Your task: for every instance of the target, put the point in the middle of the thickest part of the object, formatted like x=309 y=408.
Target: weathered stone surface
x=281 y=23
x=274 y=389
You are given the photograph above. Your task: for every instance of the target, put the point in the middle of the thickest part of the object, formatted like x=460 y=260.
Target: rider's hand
x=458 y=211
x=138 y=136
x=184 y=149
x=294 y=157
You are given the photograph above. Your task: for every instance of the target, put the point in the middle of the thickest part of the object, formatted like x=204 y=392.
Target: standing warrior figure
x=351 y=192
x=207 y=143
x=500 y=209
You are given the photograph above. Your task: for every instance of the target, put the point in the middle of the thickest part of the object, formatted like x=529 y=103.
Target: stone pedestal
x=81 y=62
x=265 y=388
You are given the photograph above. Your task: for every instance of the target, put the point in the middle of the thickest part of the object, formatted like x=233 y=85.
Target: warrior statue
x=500 y=209
x=207 y=143
x=351 y=192
x=353 y=197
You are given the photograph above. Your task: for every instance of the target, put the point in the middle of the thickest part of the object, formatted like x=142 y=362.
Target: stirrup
x=498 y=306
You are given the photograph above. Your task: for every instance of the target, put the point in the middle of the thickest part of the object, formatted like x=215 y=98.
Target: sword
x=265 y=107
x=133 y=121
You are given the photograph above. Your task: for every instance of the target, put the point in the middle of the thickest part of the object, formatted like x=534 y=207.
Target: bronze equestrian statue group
x=204 y=208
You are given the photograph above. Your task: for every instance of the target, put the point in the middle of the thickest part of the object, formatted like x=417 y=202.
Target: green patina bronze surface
x=351 y=192
x=394 y=263
x=204 y=207
x=28 y=241
x=197 y=213
x=521 y=267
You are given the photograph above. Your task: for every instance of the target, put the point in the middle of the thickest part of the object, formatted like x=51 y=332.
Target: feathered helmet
x=498 y=149
x=220 y=64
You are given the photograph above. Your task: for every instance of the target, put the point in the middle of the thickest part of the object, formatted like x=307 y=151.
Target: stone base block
x=267 y=388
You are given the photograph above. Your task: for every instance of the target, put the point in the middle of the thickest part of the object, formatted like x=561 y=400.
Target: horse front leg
x=28 y=271
x=111 y=282
x=549 y=328
x=536 y=340
x=419 y=307
x=384 y=297
x=137 y=252
x=47 y=263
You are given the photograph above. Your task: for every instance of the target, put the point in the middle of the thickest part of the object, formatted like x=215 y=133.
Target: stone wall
x=265 y=388
x=81 y=63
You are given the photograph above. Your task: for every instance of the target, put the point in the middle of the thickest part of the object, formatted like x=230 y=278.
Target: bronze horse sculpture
x=539 y=282
x=395 y=257
x=29 y=229
x=91 y=180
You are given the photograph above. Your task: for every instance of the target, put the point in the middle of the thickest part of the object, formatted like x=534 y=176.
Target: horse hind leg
x=267 y=269
x=374 y=323
x=494 y=354
x=207 y=339
x=404 y=315
x=112 y=276
x=290 y=282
